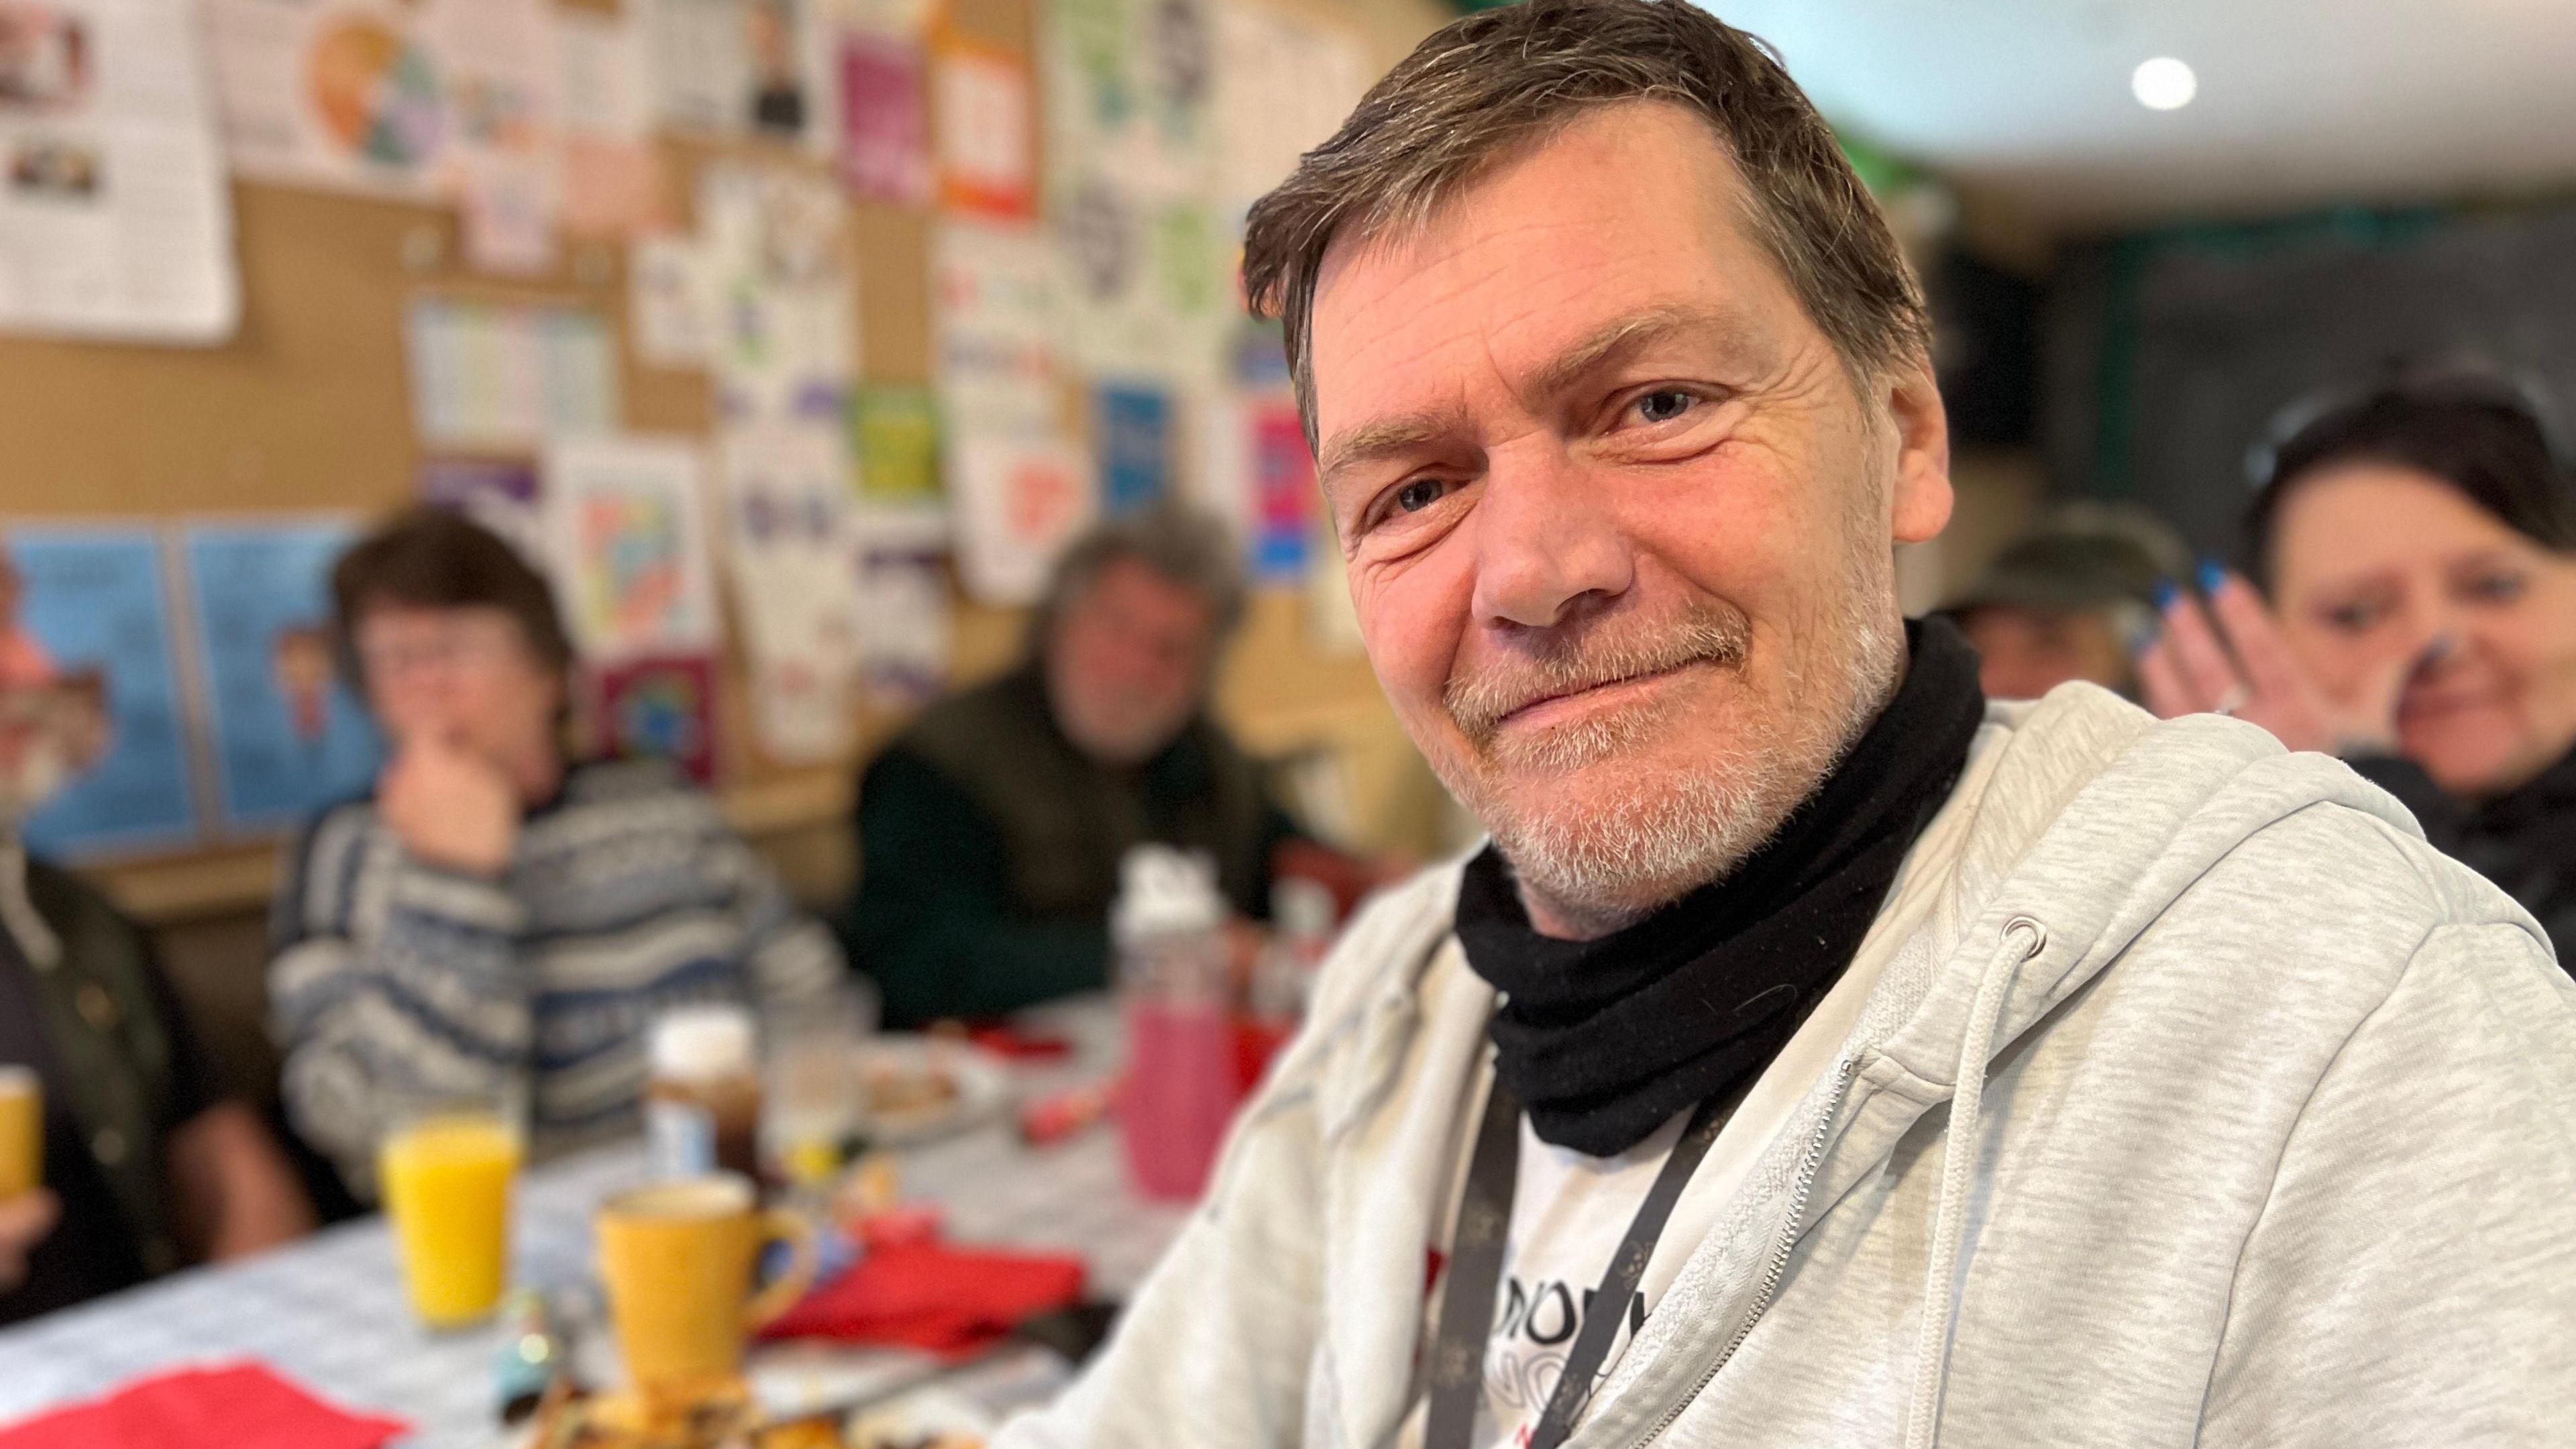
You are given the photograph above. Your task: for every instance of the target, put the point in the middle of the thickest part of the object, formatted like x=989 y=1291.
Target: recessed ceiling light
x=2163 y=84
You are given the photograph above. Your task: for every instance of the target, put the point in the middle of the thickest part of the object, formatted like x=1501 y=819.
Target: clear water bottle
x=1173 y=980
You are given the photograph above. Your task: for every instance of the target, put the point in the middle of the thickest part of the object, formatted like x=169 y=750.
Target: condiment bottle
x=702 y=1103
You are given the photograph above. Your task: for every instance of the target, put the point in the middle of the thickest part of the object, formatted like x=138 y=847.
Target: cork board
x=308 y=408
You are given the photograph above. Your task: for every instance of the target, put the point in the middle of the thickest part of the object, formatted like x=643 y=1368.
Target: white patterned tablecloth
x=329 y=1313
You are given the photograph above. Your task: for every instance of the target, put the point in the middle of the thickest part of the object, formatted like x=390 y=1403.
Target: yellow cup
x=446 y=1183
x=22 y=1131
x=678 y=1259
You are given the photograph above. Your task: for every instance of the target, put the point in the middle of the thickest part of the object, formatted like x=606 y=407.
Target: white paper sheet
x=789 y=558
x=380 y=96
x=115 y=220
x=492 y=377
x=1019 y=498
x=671 y=302
x=626 y=525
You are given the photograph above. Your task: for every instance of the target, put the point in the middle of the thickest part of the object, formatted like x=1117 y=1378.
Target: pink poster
x=1283 y=493
x=885 y=136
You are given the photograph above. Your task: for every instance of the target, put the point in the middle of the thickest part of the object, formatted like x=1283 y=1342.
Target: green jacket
x=989 y=849
x=103 y=1018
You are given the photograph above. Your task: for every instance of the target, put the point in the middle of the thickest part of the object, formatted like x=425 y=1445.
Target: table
x=329 y=1312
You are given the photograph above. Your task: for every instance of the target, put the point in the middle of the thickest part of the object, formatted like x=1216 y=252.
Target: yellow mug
x=22 y=1131
x=678 y=1259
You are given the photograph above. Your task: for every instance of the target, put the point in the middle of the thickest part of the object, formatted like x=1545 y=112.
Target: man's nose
x=1548 y=545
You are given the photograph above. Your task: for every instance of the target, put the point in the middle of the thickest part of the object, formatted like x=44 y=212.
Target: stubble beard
x=1644 y=838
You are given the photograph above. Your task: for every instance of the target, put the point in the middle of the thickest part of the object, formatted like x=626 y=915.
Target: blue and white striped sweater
x=394 y=980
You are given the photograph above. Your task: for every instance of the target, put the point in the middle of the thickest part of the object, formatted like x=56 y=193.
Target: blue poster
x=1135 y=430
x=90 y=602
x=288 y=737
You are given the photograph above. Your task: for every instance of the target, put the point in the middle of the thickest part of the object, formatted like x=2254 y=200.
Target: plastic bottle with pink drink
x=1169 y=929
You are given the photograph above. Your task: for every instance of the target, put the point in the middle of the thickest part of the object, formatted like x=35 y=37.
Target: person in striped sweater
x=494 y=919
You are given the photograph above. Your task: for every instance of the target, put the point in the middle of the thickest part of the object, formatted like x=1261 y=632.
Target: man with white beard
x=1817 y=1054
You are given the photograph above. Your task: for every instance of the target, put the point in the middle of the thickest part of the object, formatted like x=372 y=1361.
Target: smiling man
x=1817 y=1053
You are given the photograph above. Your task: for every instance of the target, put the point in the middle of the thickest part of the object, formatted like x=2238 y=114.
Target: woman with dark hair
x=2412 y=607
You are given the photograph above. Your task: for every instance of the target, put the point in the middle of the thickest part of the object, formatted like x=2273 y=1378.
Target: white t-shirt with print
x=1570 y=1210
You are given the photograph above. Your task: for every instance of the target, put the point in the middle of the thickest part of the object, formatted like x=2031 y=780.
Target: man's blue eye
x=1419 y=494
x=1664 y=406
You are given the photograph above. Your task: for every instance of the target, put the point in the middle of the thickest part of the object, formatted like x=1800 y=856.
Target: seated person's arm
x=236 y=1193
x=232 y=1188
x=393 y=980
x=933 y=920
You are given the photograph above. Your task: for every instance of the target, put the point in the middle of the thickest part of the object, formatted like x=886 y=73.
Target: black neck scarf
x=1606 y=1040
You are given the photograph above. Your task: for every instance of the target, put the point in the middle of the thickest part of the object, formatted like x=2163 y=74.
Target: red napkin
x=930 y=1296
x=235 y=1406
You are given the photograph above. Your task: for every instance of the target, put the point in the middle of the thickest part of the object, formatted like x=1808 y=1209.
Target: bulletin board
x=307 y=408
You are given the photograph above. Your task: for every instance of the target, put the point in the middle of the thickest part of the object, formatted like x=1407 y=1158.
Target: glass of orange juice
x=22 y=1131
x=445 y=1172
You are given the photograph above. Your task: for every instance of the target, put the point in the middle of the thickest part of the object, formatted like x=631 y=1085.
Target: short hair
x=2477 y=434
x=1488 y=88
x=428 y=558
x=1181 y=544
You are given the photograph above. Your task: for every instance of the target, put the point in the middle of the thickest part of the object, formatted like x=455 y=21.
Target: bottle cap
x=1165 y=890
x=702 y=1043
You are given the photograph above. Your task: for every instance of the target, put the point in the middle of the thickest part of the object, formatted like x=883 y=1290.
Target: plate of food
x=920 y=1088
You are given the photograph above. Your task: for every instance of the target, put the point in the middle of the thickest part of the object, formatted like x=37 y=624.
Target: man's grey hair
x=1181 y=544
x=1489 y=88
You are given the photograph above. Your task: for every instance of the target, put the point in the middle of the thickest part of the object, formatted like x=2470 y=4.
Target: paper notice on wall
x=985 y=143
x=776 y=245
x=509 y=200
x=380 y=96
x=1283 y=491
x=656 y=707
x=895 y=436
x=1131 y=186
x=90 y=614
x=288 y=735
x=788 y=552
x=504 y=495
x=885 y=122
x=1017 y=499
x=499 y=378
x=626 y=526
x=1284 y=85
x=993 y=315
x=115 y=220
x=612 y=173
x=672 y=304
x=903 y=610
x=1131 y=429
x=727 y=67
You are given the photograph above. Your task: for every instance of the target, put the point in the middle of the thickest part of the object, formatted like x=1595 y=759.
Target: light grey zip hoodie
x=2210 y=1106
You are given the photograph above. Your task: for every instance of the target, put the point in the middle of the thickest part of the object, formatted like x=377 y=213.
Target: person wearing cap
x=148 y=1162
x=2411 y=607
x=2070 y=600
x=495 y=918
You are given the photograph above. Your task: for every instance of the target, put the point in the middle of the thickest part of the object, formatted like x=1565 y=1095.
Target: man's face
x=1128 y=662
x=1619 y=523
x=463 y=676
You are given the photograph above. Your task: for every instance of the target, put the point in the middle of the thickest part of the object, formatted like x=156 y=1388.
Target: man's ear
x=1922 y=497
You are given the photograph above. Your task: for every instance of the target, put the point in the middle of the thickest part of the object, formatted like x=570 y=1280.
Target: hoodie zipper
x=1778 y=1267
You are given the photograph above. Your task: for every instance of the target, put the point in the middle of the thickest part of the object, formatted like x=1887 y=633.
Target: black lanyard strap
x=1476 y=1268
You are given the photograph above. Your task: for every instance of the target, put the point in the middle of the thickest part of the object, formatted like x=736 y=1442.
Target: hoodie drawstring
x=2023 y=939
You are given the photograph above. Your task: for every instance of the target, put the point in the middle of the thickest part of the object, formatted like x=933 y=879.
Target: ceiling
x=2299 y=103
